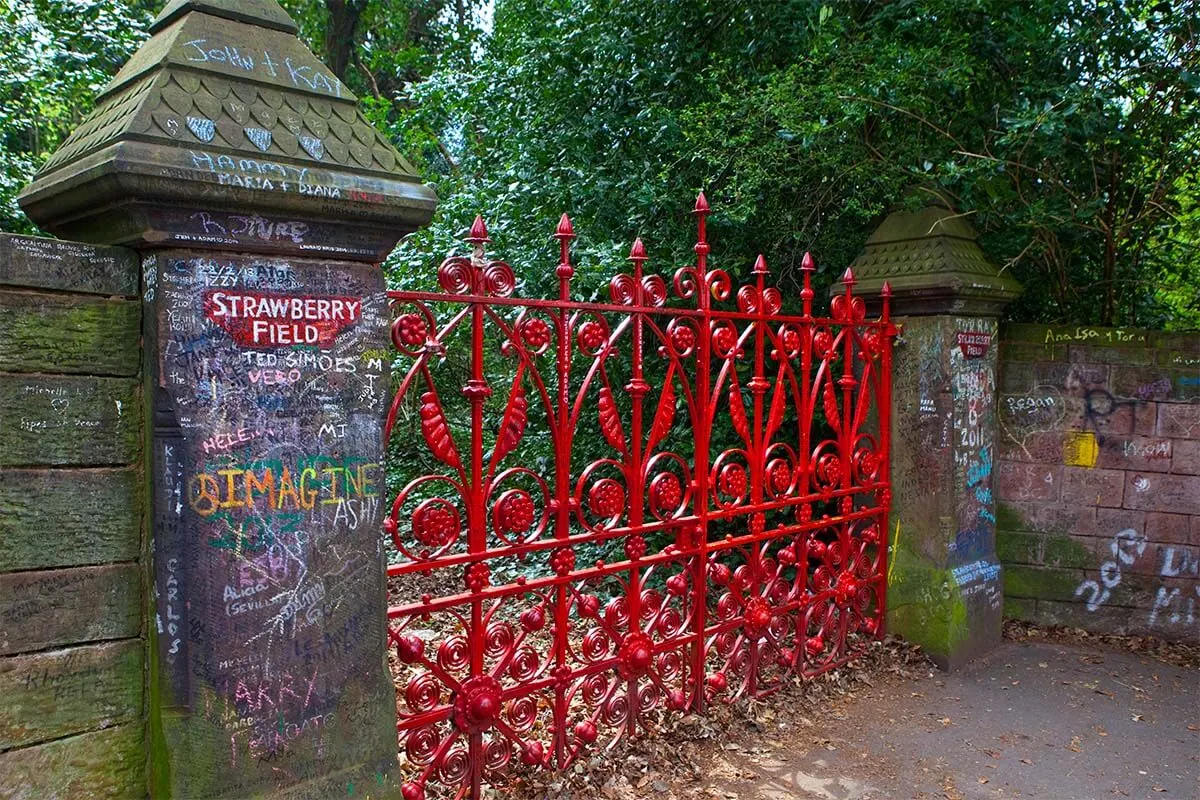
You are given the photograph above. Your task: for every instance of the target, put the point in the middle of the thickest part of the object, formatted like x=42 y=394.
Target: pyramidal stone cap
x=933 y=262
x=225 y=131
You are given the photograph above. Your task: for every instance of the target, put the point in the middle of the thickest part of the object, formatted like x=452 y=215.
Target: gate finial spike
x=564 y=233
x=807 y=267
x=479 y=231
x=701 y=248
x=848 y=277
x=638 y=251
x=886 y=291
x=565 y=229
x=760 y=266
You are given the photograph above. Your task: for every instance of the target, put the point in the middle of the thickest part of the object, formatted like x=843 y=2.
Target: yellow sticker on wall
x=1080 y=449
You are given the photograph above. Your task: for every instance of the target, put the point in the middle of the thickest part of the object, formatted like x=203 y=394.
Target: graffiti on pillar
x=973 y=391
x=269 y=497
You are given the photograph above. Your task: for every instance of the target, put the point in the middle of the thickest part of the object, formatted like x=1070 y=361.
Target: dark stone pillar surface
x=268 y=454
x=944 y=580
x=261 y=202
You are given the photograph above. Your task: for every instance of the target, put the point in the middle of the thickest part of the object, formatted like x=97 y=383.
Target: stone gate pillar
x=944 y=582
x=261 y=202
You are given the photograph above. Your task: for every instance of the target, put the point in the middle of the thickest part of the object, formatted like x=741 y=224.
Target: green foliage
x=1067 y=130
x=55 y=57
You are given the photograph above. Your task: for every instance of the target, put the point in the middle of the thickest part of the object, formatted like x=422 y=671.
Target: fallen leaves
x=719 y=755
x=1180 y=654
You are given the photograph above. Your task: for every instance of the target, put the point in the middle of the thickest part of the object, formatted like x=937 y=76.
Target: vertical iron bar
x=846 y=447
x=476 y=392
x=703 y=429
x=637 y=389
x=562 y=484
x=887 y=333
x=804 y=482
x=758 y=387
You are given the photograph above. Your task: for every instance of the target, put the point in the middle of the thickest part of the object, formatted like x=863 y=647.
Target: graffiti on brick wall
x=1097 y=336
x=1111 y=415
x=1040 y=410
x=1095 y=419
x=1126 y=546
x=1174 y=603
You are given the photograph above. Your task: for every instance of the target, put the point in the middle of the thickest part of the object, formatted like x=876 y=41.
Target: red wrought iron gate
x=675 y=497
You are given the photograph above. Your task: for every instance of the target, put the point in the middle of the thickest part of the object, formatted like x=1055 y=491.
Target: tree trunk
x=1108 y=309
x=340 y=34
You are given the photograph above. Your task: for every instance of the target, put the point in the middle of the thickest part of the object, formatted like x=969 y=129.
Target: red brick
x=1091 y=552
x=1015 y=377
x=1178 y=344
x=1145 y=419
x=1105 y=619
x=1169 y=528
x=1187 y=386
x=1030 y=332
x=1020 y=351
x=1054 y=517
x=1178 y=420
x=1071 y=376
x=1140 y=383
x=1194 y=536
x=1111 y=520
x=1141 y=453
x=1131 y=554
x=1107 y=415
x=1157 y=492
x=1044 y=447
x=1171 y=561
x=1043 y=408
x=1186 y=456
x=1109 y=355
x=1015 y=481
x=1093 y=487
x=1075 y=418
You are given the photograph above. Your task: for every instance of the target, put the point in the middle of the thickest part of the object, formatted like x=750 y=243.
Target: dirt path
x=1038 y=719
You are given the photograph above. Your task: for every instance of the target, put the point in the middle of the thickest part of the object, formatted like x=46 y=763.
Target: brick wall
x=1098 y=478
x=71 y=508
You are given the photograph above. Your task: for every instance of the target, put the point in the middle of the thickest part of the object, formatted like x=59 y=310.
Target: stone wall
x=71 y=509
x=1098 y=478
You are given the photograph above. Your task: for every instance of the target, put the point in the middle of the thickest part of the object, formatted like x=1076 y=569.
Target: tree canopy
x=1067 y=130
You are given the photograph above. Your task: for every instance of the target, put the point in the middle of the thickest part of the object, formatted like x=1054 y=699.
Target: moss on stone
x=1018 y=547
x=159 y=764
x=924 y=604
x=1007 y=518
x=1020 y=608
x=1063 y=551
x=1044 y=583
